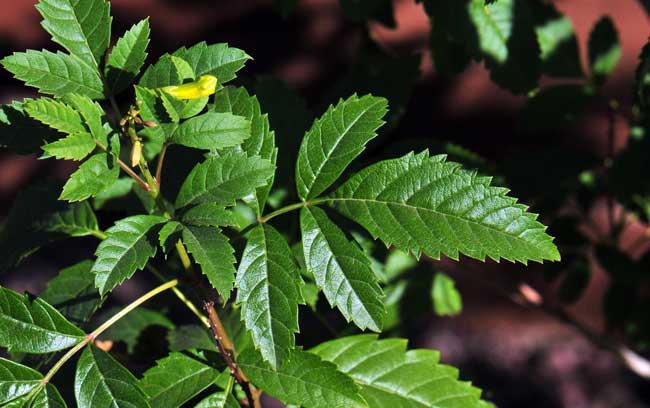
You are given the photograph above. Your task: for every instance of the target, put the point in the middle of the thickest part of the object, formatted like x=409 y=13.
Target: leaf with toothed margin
x=18 y=381
x=127 y=57
x=425 y=204
x=341 y=270
x=127 y=248
x=268 y=290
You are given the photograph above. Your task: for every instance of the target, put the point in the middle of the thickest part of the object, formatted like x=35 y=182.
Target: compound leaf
x=83 y=27
x=224 y=179
x=303 y=379
x=31 y=325
x=341 y=270
x=212 y=250
x=177 y=378
x=127 y=248
x=101 y=381
x=55 y=74
x=268 y=288
x=425 y=204
x=391 y=376
x=334 y=140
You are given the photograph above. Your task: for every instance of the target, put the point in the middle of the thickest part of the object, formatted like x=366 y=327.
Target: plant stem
x=99 y=234
x=284 y=210
x=93 y=335
x=181 y=296
x=185 y=258
x=126 y=168
x=159 y=167
x=225 y=347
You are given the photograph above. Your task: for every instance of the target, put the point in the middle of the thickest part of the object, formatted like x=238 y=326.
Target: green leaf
x=213 y=131
x=191 y=337
x=177 y=378
x=261 y=141
x=20 y=133
x=604 y=50
x=224 y=179
x=303 y=379
x=216 y=59
x=96 y=174
x=73 y=147
x=38 y=217
x=209 y=215
x=169 y=70
x=127 y=248
x=55 y=74
x=83 y=27
x=507 y=39
x=73 y=292
x=557 y=41
x=56 y=115
x=341 y=270
x=127 y=57
x=425 y=204
x=169 y=235
x=268 y=290
x=218 y=400
x=391 y=376
x=31 y=325
x=16 y=383
x=101 y=381
x=91 y=112
x=334 y=140
x=445 y=296
x=129 y=328
x=212 y=250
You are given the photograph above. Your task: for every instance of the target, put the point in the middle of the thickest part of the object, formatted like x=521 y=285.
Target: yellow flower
x=204 y=86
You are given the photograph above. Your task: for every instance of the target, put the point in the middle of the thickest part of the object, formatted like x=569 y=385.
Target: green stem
x=284 y=210
x=185 y=258
x=99 y=234
x=126 y=168
x=93 y=335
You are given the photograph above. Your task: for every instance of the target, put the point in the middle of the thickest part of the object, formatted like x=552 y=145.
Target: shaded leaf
x=129 y=328
x=169 y=235
x=209 y=215
x=557 y=41
x=33 y=326
x=94 y=175
x=217 y=59
x=101 y=381
x=604 y=49
x=191 y=337
x=56 y=115
x=268 y=290
x=21 y=133
x=341 y=270
x=424 y=204
x=127 y=248
x=445 y=296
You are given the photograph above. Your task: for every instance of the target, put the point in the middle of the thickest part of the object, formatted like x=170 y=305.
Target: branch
x=225 y=348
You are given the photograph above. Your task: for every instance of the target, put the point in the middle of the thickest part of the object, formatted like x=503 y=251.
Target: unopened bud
x=136 y=153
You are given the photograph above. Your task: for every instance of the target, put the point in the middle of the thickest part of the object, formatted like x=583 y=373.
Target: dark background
x=520 y=356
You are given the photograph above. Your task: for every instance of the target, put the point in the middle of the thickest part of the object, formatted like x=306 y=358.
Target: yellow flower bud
x=206 y=85
x=136 y=152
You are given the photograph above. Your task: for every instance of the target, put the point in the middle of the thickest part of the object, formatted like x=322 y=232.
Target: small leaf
x=15 y=124
x=218 y=60
x=73 y=147
x=212 y=250
x=224 y=179
x=191 y=337
x=91 y=112
x=213 y=131
x=82 y=27
x=33 y=326
x=127 y=57
x=101 y=381
x=604 y=49
x=303 y=379
x=445 y=296
x=177 y=378
x=268 y=290
x=127 y=248
x=557 y=41
x=55 y=74
x=392 y=377
x=424 y=204
x=209 y=215
x=335 y=140
x=169 y=70
x=130 y=327
x=169 y=235
x=73 y=292
x=56 y=115
x=94 y=175
x=341 y=270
